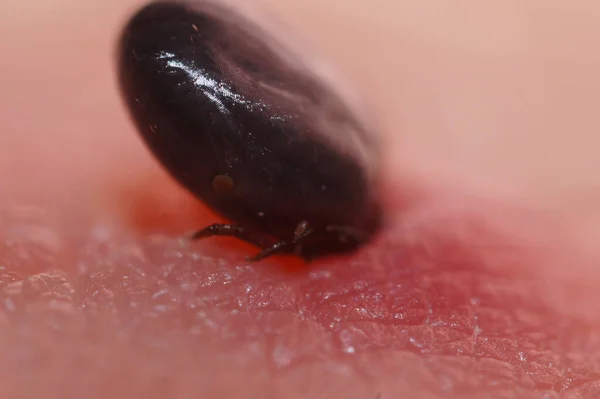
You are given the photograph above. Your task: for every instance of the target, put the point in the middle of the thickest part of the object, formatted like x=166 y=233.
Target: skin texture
x=484 y=285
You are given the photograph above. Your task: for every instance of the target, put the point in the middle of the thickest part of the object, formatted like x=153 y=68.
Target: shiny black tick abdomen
x=246 y=127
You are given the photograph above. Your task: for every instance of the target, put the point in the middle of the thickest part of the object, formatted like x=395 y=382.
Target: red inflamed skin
x=479 y=280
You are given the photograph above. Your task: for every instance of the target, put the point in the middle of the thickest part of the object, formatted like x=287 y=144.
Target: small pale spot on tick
x=222 y=184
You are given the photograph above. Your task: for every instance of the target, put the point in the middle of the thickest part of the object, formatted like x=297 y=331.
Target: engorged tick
x=250 y=129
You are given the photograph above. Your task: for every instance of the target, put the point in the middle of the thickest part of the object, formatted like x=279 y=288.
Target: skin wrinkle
x=451 y=302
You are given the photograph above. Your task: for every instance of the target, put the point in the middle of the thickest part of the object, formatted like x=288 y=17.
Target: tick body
x=246 y=127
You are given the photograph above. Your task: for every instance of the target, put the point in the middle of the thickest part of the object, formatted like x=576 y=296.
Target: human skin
x=482 y=285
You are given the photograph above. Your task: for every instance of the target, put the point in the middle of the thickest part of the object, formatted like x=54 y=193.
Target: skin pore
x=483 y=285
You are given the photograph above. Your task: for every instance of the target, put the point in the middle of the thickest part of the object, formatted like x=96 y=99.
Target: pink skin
x=485 y=281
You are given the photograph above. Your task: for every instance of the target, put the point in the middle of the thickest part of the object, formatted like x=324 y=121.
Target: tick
x=245 y=125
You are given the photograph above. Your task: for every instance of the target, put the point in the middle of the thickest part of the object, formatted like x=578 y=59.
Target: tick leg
x=232 y=230
x=302 y=231
x=218 y=230
x=328 y=237
x=277 y=248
